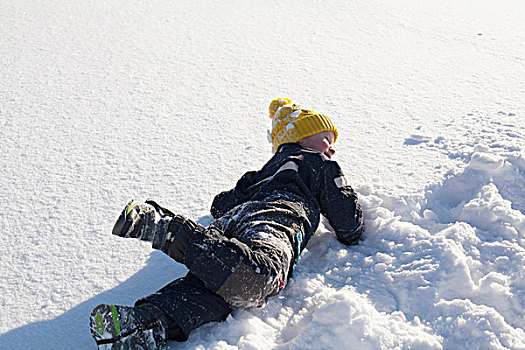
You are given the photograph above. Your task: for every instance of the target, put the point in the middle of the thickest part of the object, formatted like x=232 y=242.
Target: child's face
x=322 y=142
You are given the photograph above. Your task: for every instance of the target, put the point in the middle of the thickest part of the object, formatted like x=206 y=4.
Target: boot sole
x=124 y=221
x=112 y=330
x=105 y=324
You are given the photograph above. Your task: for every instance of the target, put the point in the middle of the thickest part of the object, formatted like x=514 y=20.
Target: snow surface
x=104 y=101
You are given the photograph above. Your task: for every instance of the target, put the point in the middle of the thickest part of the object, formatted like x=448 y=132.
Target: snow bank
x=459 y=253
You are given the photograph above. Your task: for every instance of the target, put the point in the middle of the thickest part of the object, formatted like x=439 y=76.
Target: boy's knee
x=251 y=285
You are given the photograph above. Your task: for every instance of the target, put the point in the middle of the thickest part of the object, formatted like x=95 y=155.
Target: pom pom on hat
x=278 y=103
x=291 y=122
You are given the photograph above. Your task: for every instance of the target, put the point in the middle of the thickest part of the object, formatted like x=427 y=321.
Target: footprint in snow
x=417 y=139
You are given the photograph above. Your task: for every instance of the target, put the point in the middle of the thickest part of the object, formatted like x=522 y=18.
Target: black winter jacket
x=306 y=180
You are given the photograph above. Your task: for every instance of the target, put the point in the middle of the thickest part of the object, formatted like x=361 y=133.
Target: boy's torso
x=290 y=180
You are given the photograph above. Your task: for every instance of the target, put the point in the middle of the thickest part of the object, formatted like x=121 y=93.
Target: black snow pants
x=240 y=260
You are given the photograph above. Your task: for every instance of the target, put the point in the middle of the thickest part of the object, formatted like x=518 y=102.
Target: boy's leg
x=169 y=314
x=246 y=255
x=189 y=304
x=243 y=275
x=173 y=238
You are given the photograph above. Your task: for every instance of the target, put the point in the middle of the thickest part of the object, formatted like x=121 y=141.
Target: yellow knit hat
x=291 y=122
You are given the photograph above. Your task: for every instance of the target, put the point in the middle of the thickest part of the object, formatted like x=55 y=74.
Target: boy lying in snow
x=250 y=250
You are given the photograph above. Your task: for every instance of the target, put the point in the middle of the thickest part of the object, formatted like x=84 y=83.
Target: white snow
x=104 y=101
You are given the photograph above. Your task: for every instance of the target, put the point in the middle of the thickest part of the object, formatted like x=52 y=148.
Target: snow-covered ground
x=102 y=101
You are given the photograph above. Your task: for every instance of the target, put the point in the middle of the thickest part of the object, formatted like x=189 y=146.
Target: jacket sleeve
x=227 y=200
x=339 y=205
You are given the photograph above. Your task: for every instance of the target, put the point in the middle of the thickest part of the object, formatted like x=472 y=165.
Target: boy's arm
x=225 y=201
x=339 y=205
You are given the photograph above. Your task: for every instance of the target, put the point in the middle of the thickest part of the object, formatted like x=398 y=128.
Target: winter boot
x=151 y=222
x=137 y=220
x=128 y=328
